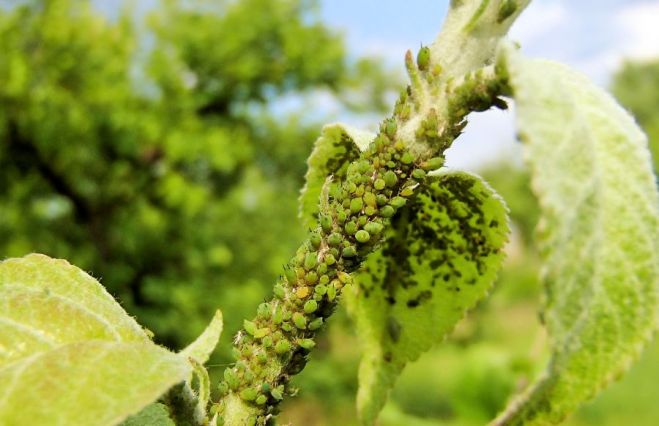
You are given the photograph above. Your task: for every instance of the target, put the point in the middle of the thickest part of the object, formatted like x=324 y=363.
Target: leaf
x=599 y=235
x=205 y=344
x=69 y=354
x=337 y=146
x=441 y=258
x=155 y=414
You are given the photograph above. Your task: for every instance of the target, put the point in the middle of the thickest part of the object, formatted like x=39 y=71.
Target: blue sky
x=593 y=36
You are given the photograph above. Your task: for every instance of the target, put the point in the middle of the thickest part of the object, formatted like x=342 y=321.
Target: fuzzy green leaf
x=337 y=146
x=441 y=257
x=599 y=234
x=204 y=345
x=69 y=354
x=155 y=414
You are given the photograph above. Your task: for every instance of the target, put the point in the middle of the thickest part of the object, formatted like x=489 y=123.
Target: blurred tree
x=636 y=85
x=152 y=156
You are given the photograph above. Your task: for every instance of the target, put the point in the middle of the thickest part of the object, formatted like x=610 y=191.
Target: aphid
x=311 y=277
x=279 y=291
x=390 y=128
x=418 y=174
x=329 y=259
x=310 y=306
x=326 y=223
x=370 y=199
x=432 y=164
x=387 y=211
x=356 y=205
x=320 y=289
x=423 y=58
x=314 y=240
x=263 y=311
x=390 y=178
x=310 y=260
x=373 y=228
x=407 y=158
x=231 y=378
x=290 y=275
x=349 y=251
x=331 y=292
x=362 y=236
x=267 y=342
x=249 y=327
x=397 y=202
x=316 y=324
x=307 y=344
x=379 y=184
x=278 y=393
x=282 y=347
x=261 y=399
x=261 y=333
x=248 y=394
x=299 y=320
x=302 y=292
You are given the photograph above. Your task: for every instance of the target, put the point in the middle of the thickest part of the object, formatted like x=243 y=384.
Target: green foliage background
x=151 y=150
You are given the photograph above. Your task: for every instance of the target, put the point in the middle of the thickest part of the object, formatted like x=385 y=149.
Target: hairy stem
x=428 y=116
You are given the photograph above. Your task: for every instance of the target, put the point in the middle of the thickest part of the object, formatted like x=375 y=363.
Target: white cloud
x=639 y=23
x=539 y=20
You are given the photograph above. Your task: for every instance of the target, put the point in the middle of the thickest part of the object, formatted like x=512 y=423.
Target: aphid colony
x=354 y=213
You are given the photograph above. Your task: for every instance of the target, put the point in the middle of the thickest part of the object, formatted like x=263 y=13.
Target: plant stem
x=428 y=116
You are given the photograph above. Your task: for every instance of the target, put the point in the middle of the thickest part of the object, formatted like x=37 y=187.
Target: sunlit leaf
x=337 y=146
x=440 y=259
x=69 y=353
x=599 y=233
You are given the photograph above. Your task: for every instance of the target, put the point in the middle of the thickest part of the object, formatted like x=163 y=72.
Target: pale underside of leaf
x=599 y=234
x=337 y=146
x=86 y=383
x=441 y=258
x=69 y=354
x=204 y=345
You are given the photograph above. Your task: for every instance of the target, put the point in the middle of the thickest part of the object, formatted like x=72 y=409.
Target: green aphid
x=311 y=260
x=248 y=394
x=299 y=320
x=423 y=58
x=265 y=387
x=261 y=333
x=373 y=228
x=287 y=327
x=262 y=357
x=322 y=268
x=290 y=275
x=278 y=316
x=316 y=324
x=351 y=228
x=362 y=236
x=351 y=187
x=320 y=289
x=231 y=378
x=381 y=199
x=278 y=393
x=418 y=174
x=341 y=216
x=390 y=178
x=331 y=292
x=223 y=388
x=387 y=211
x=249 y=327
x=390 y=128
x=329 y=259
x=324 y=279
x=263 y=311
x=407 y=192
x=397 y=202
x=407 y=158
x=349 y=251
x=279 y=291
x=334 y=239
x=433 y=164
x=326 y=223
x=314 y=240
x=311 y=278
x=369 y=210
x=261 y=399
x=267 y=342
x=362 y=220
x=307 y=344
x=370 y=199
x=310 y=306
x=379 y=184
x=282 y=347
x=356 y=205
